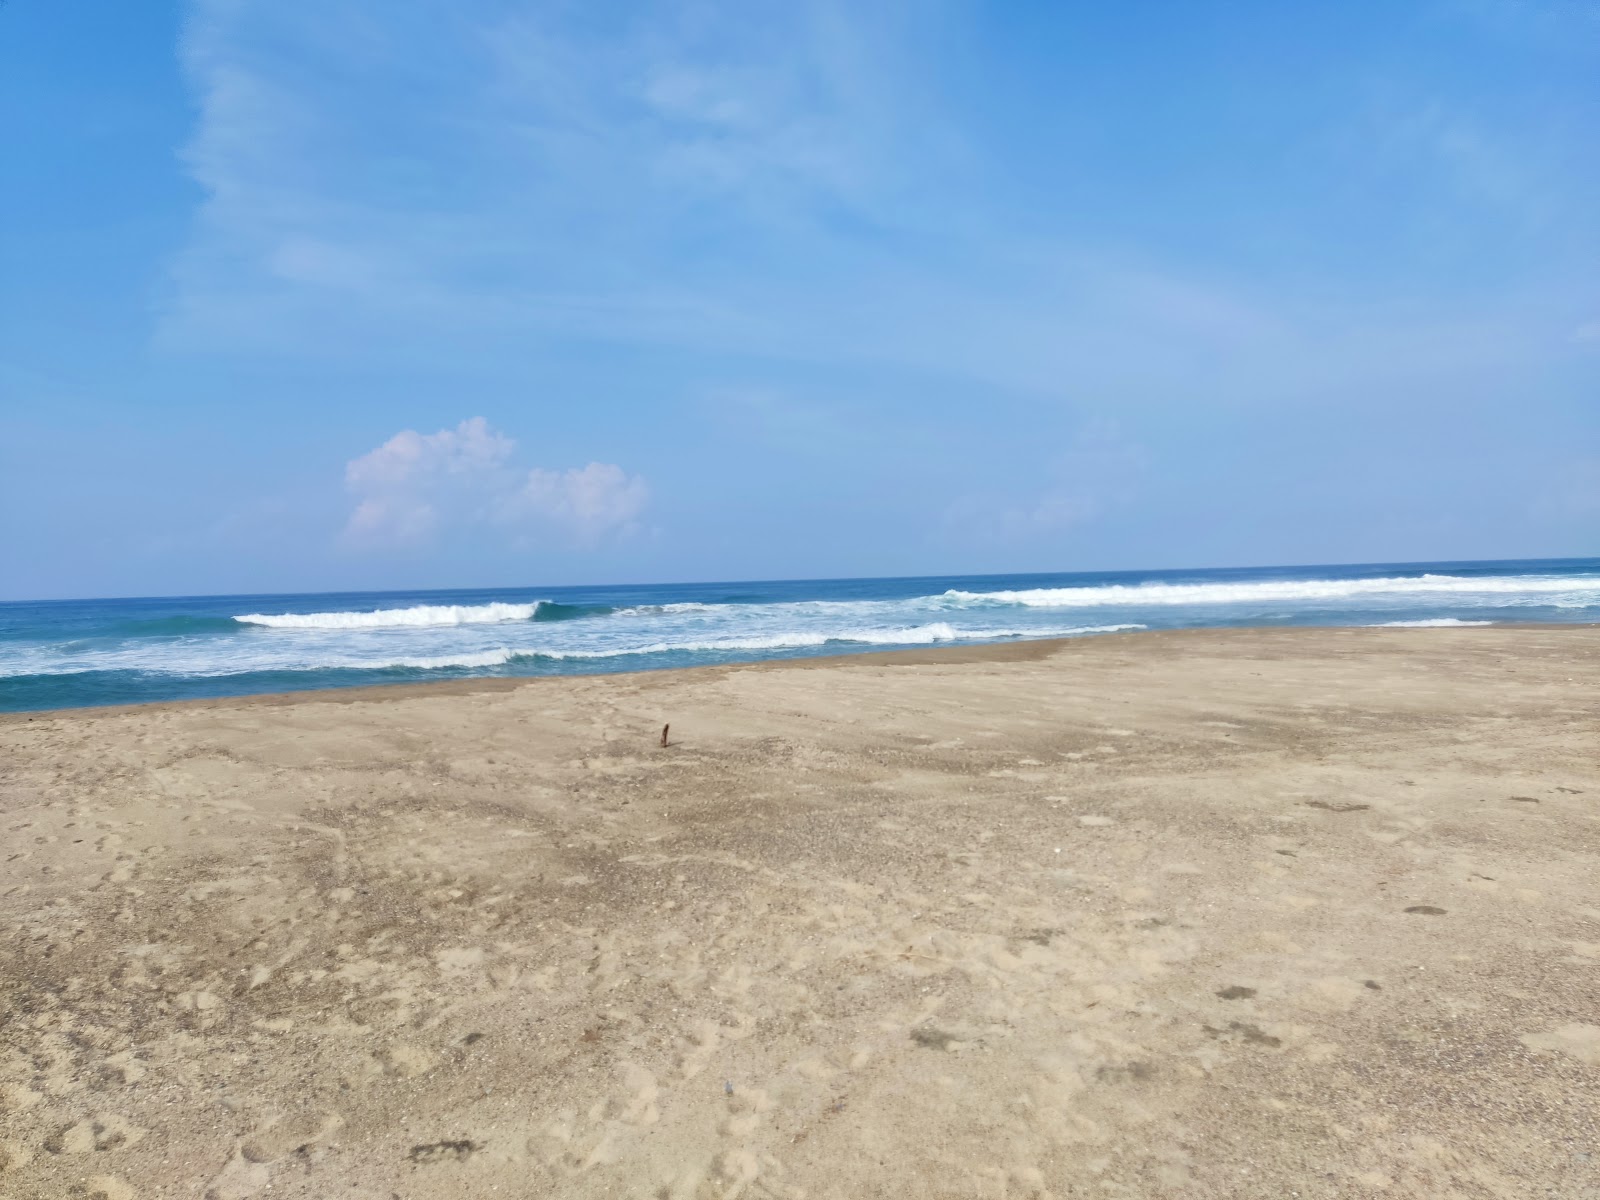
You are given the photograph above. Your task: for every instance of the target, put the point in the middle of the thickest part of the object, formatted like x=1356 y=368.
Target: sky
x=353 y=295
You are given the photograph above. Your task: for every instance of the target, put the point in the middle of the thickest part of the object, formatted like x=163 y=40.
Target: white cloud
x=1589 y=332
x=416 y=486
x=410 y=457
x=591 y=499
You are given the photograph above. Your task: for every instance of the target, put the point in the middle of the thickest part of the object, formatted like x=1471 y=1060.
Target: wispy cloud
x=417 y=486
x=766 y=179
x=556 y=171
x=780 y=181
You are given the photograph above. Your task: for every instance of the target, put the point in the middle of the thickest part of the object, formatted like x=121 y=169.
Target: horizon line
x=1412 y=563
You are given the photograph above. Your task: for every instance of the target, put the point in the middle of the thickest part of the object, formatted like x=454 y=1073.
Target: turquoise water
x=68 y=653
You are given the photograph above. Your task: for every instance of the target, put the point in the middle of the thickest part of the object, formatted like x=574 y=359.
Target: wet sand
x=1199 y=914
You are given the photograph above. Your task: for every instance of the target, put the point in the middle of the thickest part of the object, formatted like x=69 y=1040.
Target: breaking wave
x=399 y=618
x=59 y=653
x=1276 y=590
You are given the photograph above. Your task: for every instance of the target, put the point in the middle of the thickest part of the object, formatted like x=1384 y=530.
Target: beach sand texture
x=1200 y=914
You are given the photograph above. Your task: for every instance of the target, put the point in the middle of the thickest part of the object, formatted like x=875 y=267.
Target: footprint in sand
x=409 y=1061
x=13 y=1156
x=561 y=1145
x=1578 y=1039
x=108 y=1132
x=17 y=1097
x=239 y=1178
x=1245 y=1032
x=107 y=1187
x=746 y=1109
x=643 y=1092
x=279 y=1137
x=122 y=1068
x=459 y=960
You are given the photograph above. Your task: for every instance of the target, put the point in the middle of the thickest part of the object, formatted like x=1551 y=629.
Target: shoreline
x=1017 y=650
x=1199 y=913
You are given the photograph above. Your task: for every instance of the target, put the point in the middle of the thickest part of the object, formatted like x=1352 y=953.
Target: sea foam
x=123 y=651
x=1431 y=623
x=438 y=662
x=1273 y=590
x=920 y=635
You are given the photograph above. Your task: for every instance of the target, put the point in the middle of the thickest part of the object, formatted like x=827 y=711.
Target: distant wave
x=138 y=627
x=1432 y=623
x=1275 y=590
x=395 y=618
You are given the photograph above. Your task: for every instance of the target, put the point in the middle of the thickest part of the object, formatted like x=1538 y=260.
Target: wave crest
x=399 y=618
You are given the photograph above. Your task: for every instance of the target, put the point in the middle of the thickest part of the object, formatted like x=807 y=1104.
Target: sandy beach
x=1201 y=914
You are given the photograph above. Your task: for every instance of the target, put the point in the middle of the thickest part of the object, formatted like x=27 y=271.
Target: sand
x=1200 y=914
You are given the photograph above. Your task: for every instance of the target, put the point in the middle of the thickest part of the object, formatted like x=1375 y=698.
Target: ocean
x=71 y=653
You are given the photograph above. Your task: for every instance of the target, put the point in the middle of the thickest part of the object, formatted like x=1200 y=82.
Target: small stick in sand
x=664 y=729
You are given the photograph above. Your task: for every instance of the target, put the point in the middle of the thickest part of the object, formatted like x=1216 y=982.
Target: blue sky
x=353 y=294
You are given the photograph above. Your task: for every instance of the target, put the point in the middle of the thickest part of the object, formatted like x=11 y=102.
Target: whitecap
x=1276 y=590
x=397 y=618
